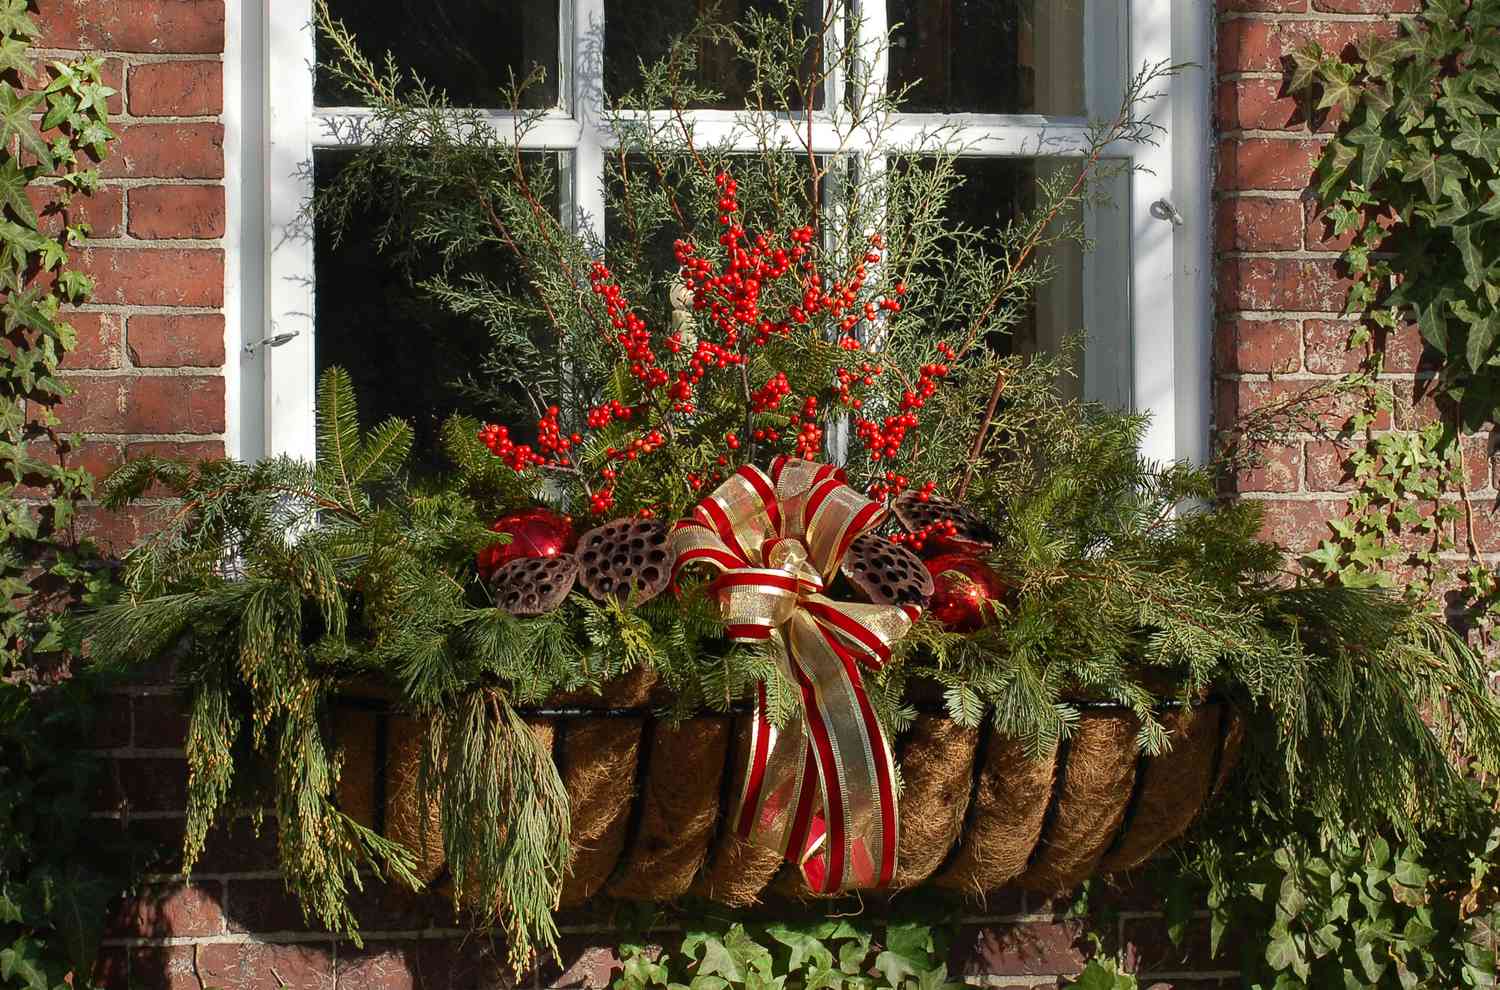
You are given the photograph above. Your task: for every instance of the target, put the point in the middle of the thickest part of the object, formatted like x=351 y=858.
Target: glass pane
x=988 y=56
x=407 y=354
x=994 y=191
x=637 y=32
x=469 y=50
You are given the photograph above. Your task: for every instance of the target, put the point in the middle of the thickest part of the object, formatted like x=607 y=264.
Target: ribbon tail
x=855 y=765
x=777 y=789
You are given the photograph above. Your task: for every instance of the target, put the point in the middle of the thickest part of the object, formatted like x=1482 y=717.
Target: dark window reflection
x=468 y=50
x=994 y=192
x=988 y=56
x=640 y=31
x=408 y=355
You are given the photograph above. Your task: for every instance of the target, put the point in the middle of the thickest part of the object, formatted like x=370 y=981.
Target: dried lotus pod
x=916 y=514
x=886 y=573
x=534 y=585
x=625 y=556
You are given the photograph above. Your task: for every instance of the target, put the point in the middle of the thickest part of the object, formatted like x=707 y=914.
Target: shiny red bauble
x=533 y=533
x=961 y=584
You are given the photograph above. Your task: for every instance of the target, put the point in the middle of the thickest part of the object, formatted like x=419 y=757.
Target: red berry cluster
x=884 y=439
x=601 y=416
x=517 y=456
x=847 y=380
x=632 y=334
x=768 y=397
x=551 y=439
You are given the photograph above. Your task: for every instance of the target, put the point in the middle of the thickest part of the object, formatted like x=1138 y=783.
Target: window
x=1020 y=78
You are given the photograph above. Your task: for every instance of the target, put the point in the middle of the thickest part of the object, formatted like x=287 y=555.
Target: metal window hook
x=273 y=341
x=1163 y=209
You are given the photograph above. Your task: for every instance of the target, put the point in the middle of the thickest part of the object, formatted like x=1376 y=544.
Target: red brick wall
x=149 y=377
x=148 y=372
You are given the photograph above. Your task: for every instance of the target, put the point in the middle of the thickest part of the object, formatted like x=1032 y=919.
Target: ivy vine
x=43 y=569
x=1412 y=178
x=59 y=868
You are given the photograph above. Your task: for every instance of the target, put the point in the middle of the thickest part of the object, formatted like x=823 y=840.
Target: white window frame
x=273 y=128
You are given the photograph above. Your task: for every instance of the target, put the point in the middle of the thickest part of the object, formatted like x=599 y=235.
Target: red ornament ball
x=533 y=533
x=957 y=597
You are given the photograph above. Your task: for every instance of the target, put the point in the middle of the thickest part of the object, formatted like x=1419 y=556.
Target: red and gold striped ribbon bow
x=821 y=788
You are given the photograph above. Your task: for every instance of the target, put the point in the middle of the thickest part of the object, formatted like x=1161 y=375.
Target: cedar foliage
x=281 y=584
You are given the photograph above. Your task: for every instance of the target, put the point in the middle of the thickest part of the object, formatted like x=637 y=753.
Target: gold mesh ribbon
x=821 y=788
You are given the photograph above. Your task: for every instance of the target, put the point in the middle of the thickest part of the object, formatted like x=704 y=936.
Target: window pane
x=637 y=32
x=988 y=56
x=994 y=191
x=467 y=49
x=407 y=354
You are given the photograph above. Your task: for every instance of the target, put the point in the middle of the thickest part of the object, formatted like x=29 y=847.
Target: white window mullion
x=1152 y=299
x=588 y=110
x=290 y=365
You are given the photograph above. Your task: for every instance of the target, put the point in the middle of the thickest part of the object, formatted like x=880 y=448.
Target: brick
x=165 y=967
x=1331 y=412
x=1250 y=45
x=177 y=89
x=117 y=531
x=179 y=340
x=160 y=721
x=103 y=210
x=1484 y=525
x=391 y=907
x=98 y=458
x=1326 y=344
x=187 y=26
x=1367 y=6
x=1406 y=352
x=1256 y=105
x=110 y=726
x=1149 y=949
x=1300 y=526
x=231 y=847
x=258 y=905
x=381 y=966
x=1481 y=459
x=1327 y=470
x=177 y=211
x=1032 y=948
x=1255 y=224
x=1266 y=163
x=1282 y=284
x=465 y=964
x=1419 y=404
x=1278 y=469
x=585 y=963
x=255 y=966
x=155 y=276
x=168 y=910
x=111 y=967
x=101 y=340
x=1258 y=346
x=148 y=784
x=129 y=404
x=167 y=151
x=1264 y=6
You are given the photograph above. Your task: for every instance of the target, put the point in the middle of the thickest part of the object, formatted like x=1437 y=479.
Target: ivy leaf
x=1375 y=148
x=14 y=57
x=13 y=182
x=1305 y=63
x=14 y=21
x=1458 y=95
x=15 y=121
x=1477 y=140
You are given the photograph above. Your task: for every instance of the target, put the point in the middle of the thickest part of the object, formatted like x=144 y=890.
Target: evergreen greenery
x=281 y=584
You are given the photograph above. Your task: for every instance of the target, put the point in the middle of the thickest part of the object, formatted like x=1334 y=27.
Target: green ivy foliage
x=42 y=568
x=837 y=954
x=1359 y=909
x=58 y=867
x=1414 y=177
